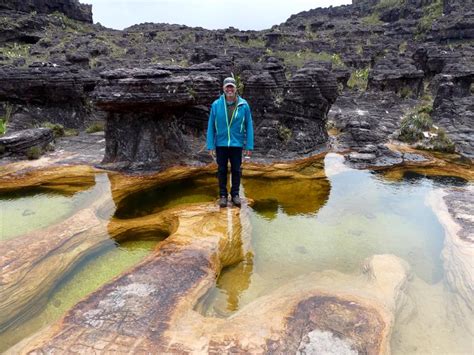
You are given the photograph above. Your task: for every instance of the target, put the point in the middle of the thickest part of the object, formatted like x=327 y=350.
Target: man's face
x=230 y=91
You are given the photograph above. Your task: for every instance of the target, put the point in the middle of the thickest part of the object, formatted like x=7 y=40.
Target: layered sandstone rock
x=71 y=8
x=53 y=94
x=157 y=117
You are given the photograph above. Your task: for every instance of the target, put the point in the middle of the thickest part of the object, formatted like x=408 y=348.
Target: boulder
x=20 y=142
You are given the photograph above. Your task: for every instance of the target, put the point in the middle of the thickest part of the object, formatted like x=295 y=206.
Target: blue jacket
x=223 y=131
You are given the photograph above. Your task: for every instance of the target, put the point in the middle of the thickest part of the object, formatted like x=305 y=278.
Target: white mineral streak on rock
x=324 y=343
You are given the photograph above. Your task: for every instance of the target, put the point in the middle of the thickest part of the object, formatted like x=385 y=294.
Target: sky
x=210 y=14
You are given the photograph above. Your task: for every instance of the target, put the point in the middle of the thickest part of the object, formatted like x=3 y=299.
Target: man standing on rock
x=230 y=128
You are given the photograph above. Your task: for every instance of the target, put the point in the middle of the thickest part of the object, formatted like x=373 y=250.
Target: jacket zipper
x=231 y=119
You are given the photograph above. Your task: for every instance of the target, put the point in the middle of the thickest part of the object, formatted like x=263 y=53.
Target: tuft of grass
x=284 y=133
x=373 y=19
x=5 y=118
x=358 y=79
x=69 y=132
x=34 y=152
x=58 y=129
x=300 y=58
x=385 y=5
x=413 y=125
x=96 y=127
x=406 y=92
x=430 y=13
x=402 y=47
x=442 y=143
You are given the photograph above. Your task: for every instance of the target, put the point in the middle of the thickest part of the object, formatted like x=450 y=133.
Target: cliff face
x=71 y=8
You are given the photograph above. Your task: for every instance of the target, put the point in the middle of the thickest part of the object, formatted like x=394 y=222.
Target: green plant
x=192 y=93
x=430 y=13
x=372 y=19
x=6 y=117
x=405 y=92
x=359 y=79
x=299 y=58
x=58 y=129
x=240 y=84
x=441 y=142
x=95 y=127
x=402 y=47
x=34 y=152
x=68 y=132
x=17 y=50
x=385 y=5
x=284 y=133
x=413 y=125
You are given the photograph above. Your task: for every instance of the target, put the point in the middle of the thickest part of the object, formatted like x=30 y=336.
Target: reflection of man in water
x=230 y=128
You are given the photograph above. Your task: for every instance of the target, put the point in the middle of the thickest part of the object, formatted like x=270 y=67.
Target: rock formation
x=71 y=8
x=158 y=116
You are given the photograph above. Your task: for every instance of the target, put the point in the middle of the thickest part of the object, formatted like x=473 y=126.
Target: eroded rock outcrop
x=22 y=142
x=71 y=8
x=53 y=94
x=157 y=117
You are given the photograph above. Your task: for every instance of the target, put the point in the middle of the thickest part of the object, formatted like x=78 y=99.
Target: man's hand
x=212 y=152
x=247 y=153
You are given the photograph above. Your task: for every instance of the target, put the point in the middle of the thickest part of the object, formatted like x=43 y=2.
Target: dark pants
x=223 y=155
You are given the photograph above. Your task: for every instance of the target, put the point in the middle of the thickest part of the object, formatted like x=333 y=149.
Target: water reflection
x=158 y=198
x=305 y=225
x=293 y=196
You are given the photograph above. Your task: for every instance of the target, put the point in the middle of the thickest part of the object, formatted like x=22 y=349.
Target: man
x=230 y=127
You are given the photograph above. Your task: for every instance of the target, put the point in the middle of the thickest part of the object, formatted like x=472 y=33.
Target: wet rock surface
x=454 y=209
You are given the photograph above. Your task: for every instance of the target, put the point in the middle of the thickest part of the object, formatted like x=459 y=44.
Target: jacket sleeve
x=249 y=129
x=211 y=130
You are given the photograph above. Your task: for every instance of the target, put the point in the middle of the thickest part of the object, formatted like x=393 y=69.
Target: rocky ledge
x=157 y=116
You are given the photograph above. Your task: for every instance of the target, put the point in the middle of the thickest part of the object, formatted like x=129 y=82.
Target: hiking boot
x=236 y=201
x=223 y=201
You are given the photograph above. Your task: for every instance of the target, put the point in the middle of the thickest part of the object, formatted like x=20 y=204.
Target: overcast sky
x=210 y=14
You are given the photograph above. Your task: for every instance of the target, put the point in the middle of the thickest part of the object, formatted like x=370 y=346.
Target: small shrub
x=240 y=84
x=299 y=58
x=34 y=152
x=413 y=126
x=430 y=13
x=58 y=129
x=442 y=143
x=3 y=126
x=384 y=5
x=405 y=92
x=5 y=118
x=284 y=133
x=95 y=127
x=402 y=48
x=358 y=79
x=373 y=19
x=69 y=132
